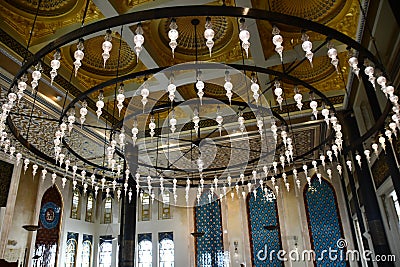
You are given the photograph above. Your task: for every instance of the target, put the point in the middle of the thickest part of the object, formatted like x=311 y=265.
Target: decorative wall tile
x=324 y=223
x=264 y=229
x=209 y=245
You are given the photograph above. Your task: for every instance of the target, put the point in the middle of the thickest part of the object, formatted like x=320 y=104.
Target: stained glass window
x=45 y=255
x=323 y=222
x=70 y=252
x=108 y=210
x=396 y=205
x=87 y=250
x=164 y=211
x=145 y=253
x=89 y=208
x=76 y=199
x=146 y=207
x=105 y=254
x=166 y=249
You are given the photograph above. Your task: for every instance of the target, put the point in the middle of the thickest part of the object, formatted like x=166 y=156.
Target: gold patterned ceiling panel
x=340 y=15
x=226 y=48
x=123 y=6
x=48 y=8
x=54 y=15
x=321 y=11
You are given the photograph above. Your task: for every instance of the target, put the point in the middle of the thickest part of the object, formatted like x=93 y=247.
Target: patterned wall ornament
x=208 y=225
x=324 y=222
x=50 y=215
x=264 y=229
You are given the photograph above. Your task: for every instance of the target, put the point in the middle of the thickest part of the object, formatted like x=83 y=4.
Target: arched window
x=108 y=210
x=105 y=255
x=208 y=226
x=264 y=228
x=89 y=208
x=70 y=252
x=324 y=222
x=166 y=249
x=164 y=207
x=47 y=237
x=145 y=253
x=75 y=207
x=145 y=207
x=87 y=250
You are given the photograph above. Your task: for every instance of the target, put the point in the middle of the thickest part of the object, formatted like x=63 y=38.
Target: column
x=367 y=191
x=128 y=214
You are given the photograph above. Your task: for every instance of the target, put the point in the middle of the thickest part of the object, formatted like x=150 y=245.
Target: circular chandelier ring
x=196 y=10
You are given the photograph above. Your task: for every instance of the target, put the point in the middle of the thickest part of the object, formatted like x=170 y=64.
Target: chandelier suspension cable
x=116 y=84
x=31 y=32
x=243 y=63
x=66 y=95
x=84 y=12
x=105 y=140
x=25 y=57
x=157 y=147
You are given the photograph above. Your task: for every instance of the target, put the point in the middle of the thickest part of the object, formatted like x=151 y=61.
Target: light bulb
x=55 y=65
x=83 y=111
x=173 y=35
x=353 y=62
x=254 y=87
x=277 y=40
x=135 y=131
x=196 y=120
x=152 y=126
x=298 y=98
x=78 y=55
x=369 y=70
x=144 y=92
x=100 y=104
x=138 y=40
x=307 y=47
x=200 y=87
x=120 y=98
x=171 y=88
x=209 y=34
x=228 y=86
x=36 y=75
x=244 y=36
x=278 y=93
x=173 y=122
x=332 y=54
x=107 y=46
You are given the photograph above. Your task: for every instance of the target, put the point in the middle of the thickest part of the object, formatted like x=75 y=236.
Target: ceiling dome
x=48 y=8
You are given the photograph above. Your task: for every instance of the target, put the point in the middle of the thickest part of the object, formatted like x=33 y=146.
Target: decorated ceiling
x=57 y=17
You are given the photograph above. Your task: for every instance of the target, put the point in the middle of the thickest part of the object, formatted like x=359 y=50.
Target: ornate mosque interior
x=199 y=133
